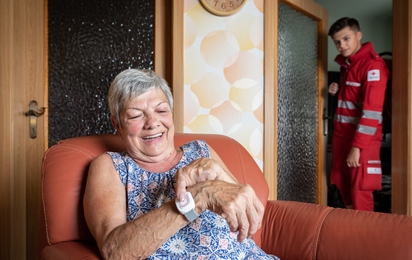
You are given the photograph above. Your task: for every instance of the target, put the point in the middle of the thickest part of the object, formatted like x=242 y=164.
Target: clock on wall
x=223 y=7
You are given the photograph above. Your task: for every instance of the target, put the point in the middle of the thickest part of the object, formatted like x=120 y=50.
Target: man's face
x=347 y=42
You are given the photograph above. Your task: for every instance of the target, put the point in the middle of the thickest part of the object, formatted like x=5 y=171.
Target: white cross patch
x=373 y=75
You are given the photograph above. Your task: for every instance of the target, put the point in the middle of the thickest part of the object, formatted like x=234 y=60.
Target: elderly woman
x=159 y=201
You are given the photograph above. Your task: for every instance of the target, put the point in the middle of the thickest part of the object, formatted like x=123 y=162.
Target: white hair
x=131 y=83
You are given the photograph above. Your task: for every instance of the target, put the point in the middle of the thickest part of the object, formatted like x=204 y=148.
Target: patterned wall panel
x=223 y=74
x=90 y=42
x=298 y=103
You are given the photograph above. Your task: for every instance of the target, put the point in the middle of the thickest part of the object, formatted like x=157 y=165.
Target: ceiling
x=365 y=9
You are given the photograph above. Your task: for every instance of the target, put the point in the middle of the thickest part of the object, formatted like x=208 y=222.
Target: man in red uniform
x=357 y=134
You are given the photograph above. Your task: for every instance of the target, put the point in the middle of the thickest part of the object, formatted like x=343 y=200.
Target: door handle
x=33 y=114
x=325 y=118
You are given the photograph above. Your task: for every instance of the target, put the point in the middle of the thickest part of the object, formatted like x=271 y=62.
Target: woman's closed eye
x=135 y=116
x=162 y=110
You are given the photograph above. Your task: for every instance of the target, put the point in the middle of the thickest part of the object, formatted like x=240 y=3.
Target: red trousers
x=356 y=184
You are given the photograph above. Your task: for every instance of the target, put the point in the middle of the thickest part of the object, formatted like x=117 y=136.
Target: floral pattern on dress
x=207 y=237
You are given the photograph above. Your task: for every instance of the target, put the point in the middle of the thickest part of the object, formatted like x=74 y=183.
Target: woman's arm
x=105 y=212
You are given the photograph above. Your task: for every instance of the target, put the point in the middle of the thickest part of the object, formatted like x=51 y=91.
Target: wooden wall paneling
x=270 y=95
x=6 y=147
x=177 y=65
x=22 y=80
x=408 y=113
x=17 y=174
x=29 y=85
x=163 y=39
x=402 y=108
x=168 y=52
x=46 y=76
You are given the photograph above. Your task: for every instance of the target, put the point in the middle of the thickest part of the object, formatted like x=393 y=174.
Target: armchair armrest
x=71 y=250
x=296 y=230
x=290 y=229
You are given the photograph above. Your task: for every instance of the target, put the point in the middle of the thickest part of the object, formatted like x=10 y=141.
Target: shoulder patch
x=373 y=75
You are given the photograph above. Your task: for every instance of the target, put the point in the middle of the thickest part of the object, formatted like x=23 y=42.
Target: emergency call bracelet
x=187 y=207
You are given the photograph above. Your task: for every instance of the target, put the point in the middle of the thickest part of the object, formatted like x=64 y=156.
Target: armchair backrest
x=64 y=173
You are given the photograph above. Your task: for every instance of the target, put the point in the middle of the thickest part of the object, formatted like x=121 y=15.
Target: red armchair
x=290 y=230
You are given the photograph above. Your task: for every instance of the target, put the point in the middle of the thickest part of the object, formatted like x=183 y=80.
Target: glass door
x=298 y=105
x=296 y=92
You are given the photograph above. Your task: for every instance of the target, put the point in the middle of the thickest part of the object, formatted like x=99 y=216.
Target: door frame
x=401 y=168
x=320 y=14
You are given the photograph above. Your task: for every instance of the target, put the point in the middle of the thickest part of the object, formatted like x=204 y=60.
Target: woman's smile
x=152 y=137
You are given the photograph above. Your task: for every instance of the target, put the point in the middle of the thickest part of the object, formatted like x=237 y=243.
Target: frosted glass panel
x=89 y=43
x=297 y=106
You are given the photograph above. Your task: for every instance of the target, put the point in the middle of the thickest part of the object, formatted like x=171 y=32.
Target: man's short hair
x=342 y=23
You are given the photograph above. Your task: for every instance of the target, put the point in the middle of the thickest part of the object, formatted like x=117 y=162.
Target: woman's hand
x=198 y=170
x=237 y=203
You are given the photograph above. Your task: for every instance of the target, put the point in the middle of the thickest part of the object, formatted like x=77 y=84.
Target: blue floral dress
x=208 y=237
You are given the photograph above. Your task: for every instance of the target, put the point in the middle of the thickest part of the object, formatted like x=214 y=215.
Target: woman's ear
x=116 y=124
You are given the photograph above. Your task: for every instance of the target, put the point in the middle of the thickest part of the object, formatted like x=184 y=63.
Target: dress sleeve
x=204 y=149
x=120 y=166
x=373 y=90
x=196 y=149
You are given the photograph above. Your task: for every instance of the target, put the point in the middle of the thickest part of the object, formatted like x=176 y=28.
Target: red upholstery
x=290 y=230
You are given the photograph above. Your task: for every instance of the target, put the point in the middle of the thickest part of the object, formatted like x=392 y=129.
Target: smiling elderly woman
x=159 y=201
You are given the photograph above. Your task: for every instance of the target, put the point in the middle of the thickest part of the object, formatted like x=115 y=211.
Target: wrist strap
x=191 y=215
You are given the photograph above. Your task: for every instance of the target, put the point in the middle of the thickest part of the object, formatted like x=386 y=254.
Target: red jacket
x=362 y=93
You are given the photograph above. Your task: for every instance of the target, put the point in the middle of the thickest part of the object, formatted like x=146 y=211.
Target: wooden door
x=318 y=13
x=21 y=80
x=402 y=108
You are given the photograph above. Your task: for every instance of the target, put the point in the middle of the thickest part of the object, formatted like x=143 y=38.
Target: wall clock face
x=223 y=7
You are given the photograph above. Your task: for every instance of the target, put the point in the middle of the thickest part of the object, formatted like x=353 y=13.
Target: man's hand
x=353 y=157
x=237 y=203
x=333 y=88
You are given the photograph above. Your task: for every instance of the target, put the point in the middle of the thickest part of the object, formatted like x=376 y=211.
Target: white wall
x=374 y=17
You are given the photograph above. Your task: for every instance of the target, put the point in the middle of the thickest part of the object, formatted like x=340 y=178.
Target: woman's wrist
x=198 y=197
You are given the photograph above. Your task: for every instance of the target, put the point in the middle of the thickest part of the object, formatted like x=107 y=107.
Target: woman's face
x=147 y=127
